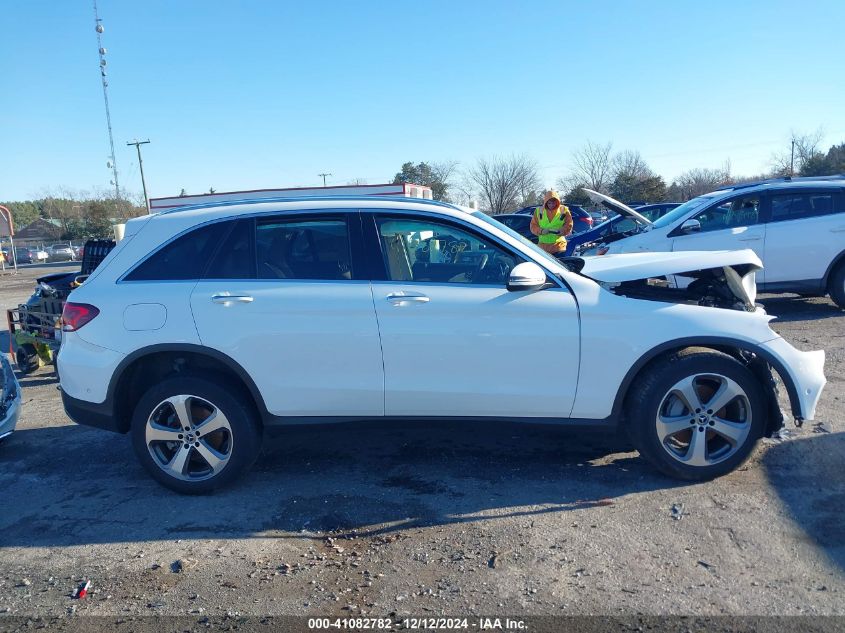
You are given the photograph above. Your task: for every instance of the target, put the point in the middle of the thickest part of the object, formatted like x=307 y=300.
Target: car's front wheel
x=837 y=285
x=194 y=434
x=696 y=414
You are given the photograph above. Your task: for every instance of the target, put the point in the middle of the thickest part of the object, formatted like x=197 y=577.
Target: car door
x=804 y=233
x=282 y=298
x=731 y=224
x=455 y=341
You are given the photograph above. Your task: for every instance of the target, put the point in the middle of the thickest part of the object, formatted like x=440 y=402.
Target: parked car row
x=34 y=255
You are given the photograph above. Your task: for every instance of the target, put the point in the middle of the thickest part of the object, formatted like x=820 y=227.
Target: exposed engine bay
x=715 y=279
x=713 y=288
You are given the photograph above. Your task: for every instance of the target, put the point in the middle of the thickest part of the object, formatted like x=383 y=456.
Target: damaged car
x=795 y=225
x=210 y=324
x=10 y=399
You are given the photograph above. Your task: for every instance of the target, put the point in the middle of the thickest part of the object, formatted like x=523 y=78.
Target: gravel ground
x=427 y=520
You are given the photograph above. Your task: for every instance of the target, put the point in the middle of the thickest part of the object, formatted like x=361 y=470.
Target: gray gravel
x=428 y=519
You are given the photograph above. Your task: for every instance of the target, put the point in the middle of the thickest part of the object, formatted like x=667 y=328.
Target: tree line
x=78 y=214
x=504 y=184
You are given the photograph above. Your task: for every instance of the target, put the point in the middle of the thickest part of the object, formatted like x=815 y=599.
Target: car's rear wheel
x=194 y=434
x=696 y=414
x=836 y=285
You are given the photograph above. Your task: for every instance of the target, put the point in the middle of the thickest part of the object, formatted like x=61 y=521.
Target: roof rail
x=351 y=198
x=781 y=179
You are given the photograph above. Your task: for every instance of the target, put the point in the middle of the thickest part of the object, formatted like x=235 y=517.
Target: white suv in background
x=207 y=324
x=796 y=226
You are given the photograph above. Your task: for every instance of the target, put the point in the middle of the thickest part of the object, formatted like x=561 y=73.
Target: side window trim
x=377 y=259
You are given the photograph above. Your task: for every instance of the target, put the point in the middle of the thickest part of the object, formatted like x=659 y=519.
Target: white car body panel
x=786 y=238
x=308 y=345
x=570 y=346
x=452 y=353
x=737 y=238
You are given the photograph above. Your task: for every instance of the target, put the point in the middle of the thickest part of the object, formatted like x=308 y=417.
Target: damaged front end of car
x=721 y=279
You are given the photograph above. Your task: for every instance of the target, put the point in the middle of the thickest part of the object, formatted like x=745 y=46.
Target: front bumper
x=10 y=399
x=801 y=372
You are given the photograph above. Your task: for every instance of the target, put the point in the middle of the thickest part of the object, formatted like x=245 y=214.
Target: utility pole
x=792 y=160
x=324 y=178
x=102 y=52
x=137 y=145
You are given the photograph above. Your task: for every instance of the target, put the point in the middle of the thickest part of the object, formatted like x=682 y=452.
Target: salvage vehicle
x=10 y=399
x=208 y=324
x=795 y=225
x=35 y=326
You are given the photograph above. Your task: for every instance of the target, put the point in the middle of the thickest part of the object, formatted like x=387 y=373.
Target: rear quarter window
x=185 y=258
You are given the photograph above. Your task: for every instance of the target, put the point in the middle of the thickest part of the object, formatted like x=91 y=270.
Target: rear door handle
x=397 y=298
x=750 y=239
x=839 y=229
x=231 y=299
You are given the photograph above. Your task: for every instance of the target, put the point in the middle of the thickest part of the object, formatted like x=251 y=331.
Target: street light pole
x=137 y=145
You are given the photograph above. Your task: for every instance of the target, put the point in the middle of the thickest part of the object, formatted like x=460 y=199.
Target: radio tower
x=102 y=52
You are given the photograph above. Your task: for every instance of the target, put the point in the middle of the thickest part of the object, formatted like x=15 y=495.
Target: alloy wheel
x=189 y=438
x=704 y=419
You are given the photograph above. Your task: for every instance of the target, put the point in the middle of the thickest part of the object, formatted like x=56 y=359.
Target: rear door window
x=303 y=248
x=794 y=206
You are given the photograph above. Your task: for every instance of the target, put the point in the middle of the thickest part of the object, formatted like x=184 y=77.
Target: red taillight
x=75 y=315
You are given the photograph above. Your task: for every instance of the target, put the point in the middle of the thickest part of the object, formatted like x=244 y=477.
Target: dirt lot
x=425 y=520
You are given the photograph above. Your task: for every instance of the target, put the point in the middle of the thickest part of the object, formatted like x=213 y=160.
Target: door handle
x=839 y=229
x=750 y=239
x=224 y=299
x=397 y=298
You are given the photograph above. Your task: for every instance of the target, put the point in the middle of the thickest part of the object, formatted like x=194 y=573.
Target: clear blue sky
x=253 y=94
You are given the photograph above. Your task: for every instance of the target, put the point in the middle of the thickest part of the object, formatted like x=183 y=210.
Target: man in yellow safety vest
x=551 y=223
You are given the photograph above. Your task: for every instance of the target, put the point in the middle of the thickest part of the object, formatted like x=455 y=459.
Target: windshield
x=539 y=251
x=681 y=211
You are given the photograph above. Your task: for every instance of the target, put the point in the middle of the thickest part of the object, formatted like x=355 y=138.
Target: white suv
x=796 y=226
x=207 y=324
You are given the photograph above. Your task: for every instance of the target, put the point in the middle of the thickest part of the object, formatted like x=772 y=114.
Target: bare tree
x=630 y=164
x=806 y=148
x=503 y=183
x=696 y=182
x=592 y=166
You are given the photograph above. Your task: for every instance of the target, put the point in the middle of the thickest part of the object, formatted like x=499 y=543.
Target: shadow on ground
x=72 y=485
x=794 y=308
x=809 y=477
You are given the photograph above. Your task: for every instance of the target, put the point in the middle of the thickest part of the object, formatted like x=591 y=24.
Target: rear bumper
x=99 y=415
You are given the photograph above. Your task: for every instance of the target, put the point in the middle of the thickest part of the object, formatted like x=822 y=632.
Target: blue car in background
x=581 y=219
x=621 y=224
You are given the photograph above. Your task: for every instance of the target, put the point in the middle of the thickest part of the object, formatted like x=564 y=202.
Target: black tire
x=836 y=285
x=653 y=390
x=26 y=358
x=243 y=437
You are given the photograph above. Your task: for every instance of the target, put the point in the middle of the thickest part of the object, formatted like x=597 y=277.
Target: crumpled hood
x=632 y=266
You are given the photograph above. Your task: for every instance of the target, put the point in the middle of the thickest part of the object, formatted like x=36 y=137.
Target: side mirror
x=526 y=276
x=690 y=226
